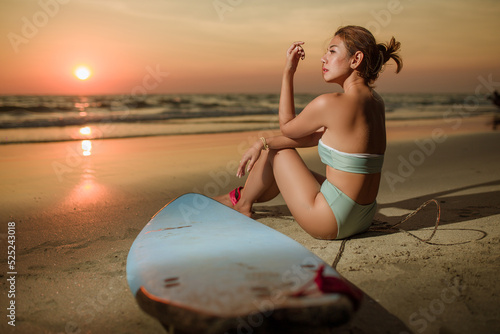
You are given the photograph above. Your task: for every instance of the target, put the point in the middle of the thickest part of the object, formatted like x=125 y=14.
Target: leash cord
x=393 y=227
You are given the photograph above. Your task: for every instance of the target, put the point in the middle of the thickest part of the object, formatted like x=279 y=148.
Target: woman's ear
x=356 y=59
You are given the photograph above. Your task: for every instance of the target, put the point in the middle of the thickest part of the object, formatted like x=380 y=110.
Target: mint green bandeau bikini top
x=359 y=163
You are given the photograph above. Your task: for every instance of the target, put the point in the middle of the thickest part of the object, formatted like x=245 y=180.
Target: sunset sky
x=235 y=46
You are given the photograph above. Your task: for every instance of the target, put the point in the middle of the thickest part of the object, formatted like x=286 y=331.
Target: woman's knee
x=274 y=154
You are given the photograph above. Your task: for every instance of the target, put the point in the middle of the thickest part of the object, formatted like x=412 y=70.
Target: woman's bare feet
x=241 y=206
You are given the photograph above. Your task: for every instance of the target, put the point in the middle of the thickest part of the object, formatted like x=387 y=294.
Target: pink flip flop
x=235 y=195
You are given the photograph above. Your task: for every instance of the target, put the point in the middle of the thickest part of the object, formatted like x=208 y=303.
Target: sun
x=82 y=72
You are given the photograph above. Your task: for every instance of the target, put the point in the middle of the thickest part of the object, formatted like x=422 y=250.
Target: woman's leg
x=260 y=185
x=284 y=171
x=300 y=189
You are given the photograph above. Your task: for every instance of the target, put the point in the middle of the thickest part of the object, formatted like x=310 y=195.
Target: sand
x=76 y=217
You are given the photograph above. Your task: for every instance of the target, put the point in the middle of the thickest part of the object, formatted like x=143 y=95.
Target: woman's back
x=355 y=123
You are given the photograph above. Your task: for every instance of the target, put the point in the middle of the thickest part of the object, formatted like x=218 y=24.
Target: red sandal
x=235 y=195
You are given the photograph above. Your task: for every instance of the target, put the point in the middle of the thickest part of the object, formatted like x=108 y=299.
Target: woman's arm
x=281 y=142
x=312 y=117
x=276 y=143
x=287 y=105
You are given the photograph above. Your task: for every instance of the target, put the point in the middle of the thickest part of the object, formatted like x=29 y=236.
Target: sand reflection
x=87 y=192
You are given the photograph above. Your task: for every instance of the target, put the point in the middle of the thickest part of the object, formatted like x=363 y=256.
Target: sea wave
x=44 y=111
x=171 y=111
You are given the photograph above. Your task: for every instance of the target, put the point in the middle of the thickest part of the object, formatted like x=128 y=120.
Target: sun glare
x=86 y=147
x=86 y=130
x=82 y=72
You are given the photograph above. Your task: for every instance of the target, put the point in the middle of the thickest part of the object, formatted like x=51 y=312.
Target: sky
x=236 y=46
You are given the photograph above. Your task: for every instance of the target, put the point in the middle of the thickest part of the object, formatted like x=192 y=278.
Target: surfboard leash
x=394 y=227
x=339 y=254
x=411 y=214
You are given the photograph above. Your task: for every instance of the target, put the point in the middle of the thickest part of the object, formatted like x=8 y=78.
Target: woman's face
x=336 y=65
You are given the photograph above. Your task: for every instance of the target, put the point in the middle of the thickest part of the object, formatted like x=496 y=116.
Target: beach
x=75 y=217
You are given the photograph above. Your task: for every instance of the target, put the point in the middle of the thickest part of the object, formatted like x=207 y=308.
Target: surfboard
x=201 y=267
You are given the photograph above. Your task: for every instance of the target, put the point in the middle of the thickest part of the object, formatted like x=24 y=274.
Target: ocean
x=43 y=118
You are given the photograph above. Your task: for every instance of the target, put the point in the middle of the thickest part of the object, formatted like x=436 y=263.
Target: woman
x=349 y=130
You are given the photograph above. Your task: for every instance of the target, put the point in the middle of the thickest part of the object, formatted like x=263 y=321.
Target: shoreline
x=397 y=129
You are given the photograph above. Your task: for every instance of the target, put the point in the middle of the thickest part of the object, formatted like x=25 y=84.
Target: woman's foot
x=232 y=200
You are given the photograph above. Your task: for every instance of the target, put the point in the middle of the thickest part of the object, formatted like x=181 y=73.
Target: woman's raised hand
x=294 y=53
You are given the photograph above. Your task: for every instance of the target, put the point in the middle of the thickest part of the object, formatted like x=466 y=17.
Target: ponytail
x=391 y=50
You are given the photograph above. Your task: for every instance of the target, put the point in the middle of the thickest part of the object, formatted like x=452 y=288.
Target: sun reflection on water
x=86 y=131
x=86 y=147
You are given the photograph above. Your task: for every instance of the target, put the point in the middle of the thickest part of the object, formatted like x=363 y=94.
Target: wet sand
x=77 y=216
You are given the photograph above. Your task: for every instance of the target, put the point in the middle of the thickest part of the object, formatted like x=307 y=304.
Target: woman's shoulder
x=328 y=99
x=330 y=96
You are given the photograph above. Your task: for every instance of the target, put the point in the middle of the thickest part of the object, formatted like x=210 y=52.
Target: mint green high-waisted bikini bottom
x=352 y=218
